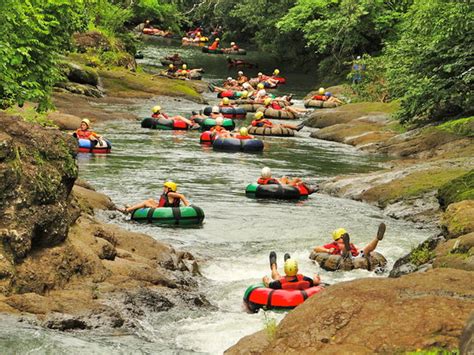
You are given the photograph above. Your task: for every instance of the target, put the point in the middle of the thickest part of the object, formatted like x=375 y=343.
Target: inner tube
x=164 y=123
x=229 y=94
x=280 y=79
x=375 y=261
x=277 y=191
x=239 y=51
x=207 y=137
x=250 y=107
x=227 y=112
x=177 y=216
x=207 y=123
x=278 y=131
x=319 y=104
x=277 y=114
x=236 y=145
x=212 y=51
x=258 y=296
x=103 y=146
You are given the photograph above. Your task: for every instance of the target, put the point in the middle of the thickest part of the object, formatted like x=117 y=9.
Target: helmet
x=198 y=34
x=266 y=172
x=240 y=72
x=229 y=78
x=171 y=65
x=267 y=101
x=321 y=91
x=291 y=267
x=232 y=43
x=259 y=115
x=185 y=67
x=219 y=121
x=276 y=72
x=328 y=94
x=171 y=185
x=260 y=86
x=336 y=234
x=215 y=109
x=244 y=131
x=217 y=39
x=147 y=21
x=260 y=74
x=225 y=101
x=156 y=109
x=244 y=94
x=87 y=122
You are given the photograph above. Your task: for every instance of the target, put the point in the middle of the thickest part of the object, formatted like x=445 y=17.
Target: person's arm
x=309 y=280
x=180 y=196
x=323 y=249
x=266 y=281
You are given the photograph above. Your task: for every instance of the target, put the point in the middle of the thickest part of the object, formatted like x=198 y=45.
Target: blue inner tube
x=228 y=112
x=236 y=145
x=164 y=123
x=102 y=146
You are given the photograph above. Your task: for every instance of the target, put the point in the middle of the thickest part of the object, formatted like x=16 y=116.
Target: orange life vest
x=81 y=134
x=300 y=284
x=267 y=181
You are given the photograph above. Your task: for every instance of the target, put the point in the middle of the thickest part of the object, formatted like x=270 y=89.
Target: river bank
x=430 y=182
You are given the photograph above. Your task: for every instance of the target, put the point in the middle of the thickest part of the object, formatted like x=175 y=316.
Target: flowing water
x=233 y=244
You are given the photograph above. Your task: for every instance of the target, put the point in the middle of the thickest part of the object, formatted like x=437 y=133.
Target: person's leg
x=273 y=266
x=181 y=118
x=150 y=203
x=373 y=244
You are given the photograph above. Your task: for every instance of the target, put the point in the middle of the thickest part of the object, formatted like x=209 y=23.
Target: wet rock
x=65 y=121
x=456 y=253
x=106 y=250
x=81 y=75
x=81 y=89
x=418 y=258
x=195 y=75
x=423 y=310
x=64 y=322
x=90 y=200
x=459 y=218
x=145 y=299
x=466 y=342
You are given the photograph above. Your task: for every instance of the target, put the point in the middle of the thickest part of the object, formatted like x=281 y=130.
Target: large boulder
x=37 y=173
x=459 y=218
x=82 y=75
x=418 y=311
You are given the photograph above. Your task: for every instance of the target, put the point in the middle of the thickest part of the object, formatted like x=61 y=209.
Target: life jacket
x=275 y=106
x=235 y=47
x=338 y=251
x=298 y=284
x=320 y=97
x=84 y=134
x=267 y=181
x=165 y=203
x=261 y=123
x=214 y=45
x=238 y=136
x=217 y=129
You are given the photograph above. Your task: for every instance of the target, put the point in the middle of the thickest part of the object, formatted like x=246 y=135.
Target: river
x=233 y=244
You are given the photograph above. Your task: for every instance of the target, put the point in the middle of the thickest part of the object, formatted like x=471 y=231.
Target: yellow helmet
x=321 y=91
x=225 y=101
x=171 y=185
x=267 y=101
x=276 y=72
x=259 y=115
x=171 y=65
x=244 y=131
x=336 y=234
x=217 y=39
x=87 y=122
x=291 y=267
x=244 y=94
x=156 y=109
x=198 y=34
x=185 y=67
x=260 y=86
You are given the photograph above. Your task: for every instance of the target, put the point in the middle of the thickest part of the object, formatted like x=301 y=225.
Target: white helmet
x=266 y=172
x=229 y=78
x=240 y=72
x=215 y=109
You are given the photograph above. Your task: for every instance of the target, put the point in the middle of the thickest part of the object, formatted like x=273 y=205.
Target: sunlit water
x=233 y=244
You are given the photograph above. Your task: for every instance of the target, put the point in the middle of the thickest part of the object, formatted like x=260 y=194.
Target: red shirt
x=338 y=251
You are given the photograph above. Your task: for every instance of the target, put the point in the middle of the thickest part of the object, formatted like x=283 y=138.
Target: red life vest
x=320 y=97
x=300 y=284
x=84 y=134
x=165 y=203
x=267 y=181
x=275 y=106
x=214 y=45
x=238 y=136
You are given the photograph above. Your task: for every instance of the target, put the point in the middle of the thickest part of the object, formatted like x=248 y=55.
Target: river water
x=233 y=244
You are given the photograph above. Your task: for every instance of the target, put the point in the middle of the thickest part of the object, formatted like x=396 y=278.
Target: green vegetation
x=457 y=190
x=421 y=255
x=270 y=326
x=462 y=126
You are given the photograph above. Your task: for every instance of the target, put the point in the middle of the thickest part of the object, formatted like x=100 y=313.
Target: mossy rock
x=459 y=218
x=462 y=126
x=457 y=190
x=82 y=75
x=456 y=253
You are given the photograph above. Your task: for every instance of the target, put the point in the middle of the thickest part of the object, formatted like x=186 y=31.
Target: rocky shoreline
x=430 y=181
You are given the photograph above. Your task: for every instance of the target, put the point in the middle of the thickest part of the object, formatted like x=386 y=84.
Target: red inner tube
x=271 y=298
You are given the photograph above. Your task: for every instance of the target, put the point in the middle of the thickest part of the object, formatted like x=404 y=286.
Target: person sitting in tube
x=241 y=78
x=275 y=74
x=184 y=71
x=292 y=280
x=267 y=79
x=243 y=134
x=214 y=44
x=218 y=129
x=266 y=179
x=324 y=95
x=341 y=244
x=273 y=104
x=171 y=69
x=169 y=198
x=260 y=121
x=84 y=132
x=234 y=46
x=216 y=112
x=158 y=113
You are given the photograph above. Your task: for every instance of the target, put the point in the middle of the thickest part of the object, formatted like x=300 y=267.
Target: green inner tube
x=177 y=216
x=207 y=123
